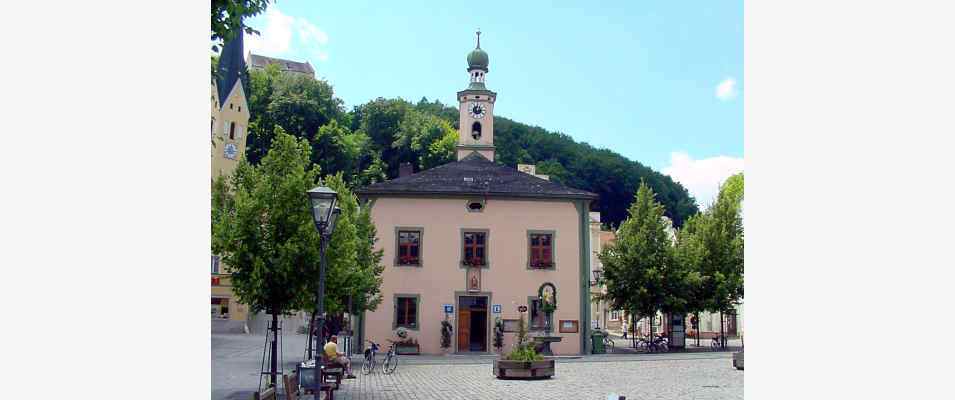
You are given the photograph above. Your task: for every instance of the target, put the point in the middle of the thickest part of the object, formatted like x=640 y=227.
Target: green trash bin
x=597 y=342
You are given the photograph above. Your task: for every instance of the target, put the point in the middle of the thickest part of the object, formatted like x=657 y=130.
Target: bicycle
x=608 y=342
x=391 y=359
x=369 y=364
x=715 y=343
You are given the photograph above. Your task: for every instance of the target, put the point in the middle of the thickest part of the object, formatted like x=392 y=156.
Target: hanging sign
x=496 y=309
x=448 y=308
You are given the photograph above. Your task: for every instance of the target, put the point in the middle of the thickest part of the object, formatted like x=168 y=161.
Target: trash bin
x=597 y=342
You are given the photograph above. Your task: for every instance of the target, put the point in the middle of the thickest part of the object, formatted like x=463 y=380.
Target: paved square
x=236 y=359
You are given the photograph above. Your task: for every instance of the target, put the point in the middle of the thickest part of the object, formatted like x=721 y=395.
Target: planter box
x=506 y=369
x=406 y=350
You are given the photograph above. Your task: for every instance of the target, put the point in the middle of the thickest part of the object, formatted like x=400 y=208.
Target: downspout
x=583 y=208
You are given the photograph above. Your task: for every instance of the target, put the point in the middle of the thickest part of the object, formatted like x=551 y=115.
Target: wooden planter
x=506 y=369
x=408 y=350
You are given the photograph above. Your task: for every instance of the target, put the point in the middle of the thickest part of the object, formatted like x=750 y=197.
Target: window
x=406 y=311
x=475 y=206
x=409 y=247
x=220 y=308
x=614 y=315
x=215 y=264
x=232 y=131
x=474 y=252
x=476 y=130
x=536 y=315
x=541 y=250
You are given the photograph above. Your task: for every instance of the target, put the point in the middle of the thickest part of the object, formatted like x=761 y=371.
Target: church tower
x=476 y=106
x=230 y=110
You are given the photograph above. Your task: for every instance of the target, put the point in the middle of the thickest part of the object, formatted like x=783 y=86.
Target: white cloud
x=278 y=32
x=726 y=90
x=702 y=178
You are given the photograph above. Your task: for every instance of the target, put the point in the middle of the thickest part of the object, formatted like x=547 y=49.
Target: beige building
x=230 y=119
x=471 y=241
x=255 y=61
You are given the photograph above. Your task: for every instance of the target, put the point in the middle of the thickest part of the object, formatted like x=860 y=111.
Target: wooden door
x=464 y=329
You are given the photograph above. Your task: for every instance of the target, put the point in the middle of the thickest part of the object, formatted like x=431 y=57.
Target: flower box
x=408 y=349
x=507 y=369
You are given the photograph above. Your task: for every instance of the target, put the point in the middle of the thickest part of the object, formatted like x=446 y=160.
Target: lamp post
x=325 y=215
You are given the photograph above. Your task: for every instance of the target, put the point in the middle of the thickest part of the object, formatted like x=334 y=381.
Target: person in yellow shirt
x=333 y=356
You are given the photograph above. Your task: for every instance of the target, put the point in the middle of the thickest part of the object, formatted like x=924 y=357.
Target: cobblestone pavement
x=236 y=359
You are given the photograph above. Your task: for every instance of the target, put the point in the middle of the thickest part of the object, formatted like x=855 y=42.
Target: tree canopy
x=262 y=226
x=638 y=265
x=227 y=16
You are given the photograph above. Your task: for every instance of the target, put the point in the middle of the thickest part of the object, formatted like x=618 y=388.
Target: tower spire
x=479 y=38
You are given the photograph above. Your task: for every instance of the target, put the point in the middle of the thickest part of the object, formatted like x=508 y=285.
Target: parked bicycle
x=608 y=342
x=661 y=344
x=388 y=365
x=716 y=343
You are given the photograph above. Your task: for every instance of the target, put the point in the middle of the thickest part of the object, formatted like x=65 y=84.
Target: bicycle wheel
x=368 y=365
x=609 y=344
x=390 y=364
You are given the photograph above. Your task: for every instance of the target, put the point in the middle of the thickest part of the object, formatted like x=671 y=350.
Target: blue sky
x=659 y=82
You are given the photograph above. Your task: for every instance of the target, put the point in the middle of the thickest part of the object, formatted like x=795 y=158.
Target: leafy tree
x=262 y=227
x=637 y=263
x=299 y=104
x=227 y=18
x=711 y=244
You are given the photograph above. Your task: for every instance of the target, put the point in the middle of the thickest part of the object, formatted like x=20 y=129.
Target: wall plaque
x=510 y=325
x=569 y=326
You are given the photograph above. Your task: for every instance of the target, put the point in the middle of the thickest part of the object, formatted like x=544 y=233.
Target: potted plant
x=406 y=345
x=523 y=362
x=498 y=335
x=445 y=336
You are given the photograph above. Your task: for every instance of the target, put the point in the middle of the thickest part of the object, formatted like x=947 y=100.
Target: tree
x=262 y=227
x=714 y=247
x=227 y=18
x=636 y=264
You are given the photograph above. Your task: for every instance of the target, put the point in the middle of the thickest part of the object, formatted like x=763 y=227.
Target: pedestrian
x=333 y=356
x=624 y=326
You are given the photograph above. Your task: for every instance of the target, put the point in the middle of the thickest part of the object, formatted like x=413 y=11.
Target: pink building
x=478 y=239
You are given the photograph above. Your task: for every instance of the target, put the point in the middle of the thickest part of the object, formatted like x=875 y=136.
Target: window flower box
x=473 y=262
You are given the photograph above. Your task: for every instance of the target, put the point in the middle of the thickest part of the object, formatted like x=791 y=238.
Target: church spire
x=231 y=65
x=479 y=38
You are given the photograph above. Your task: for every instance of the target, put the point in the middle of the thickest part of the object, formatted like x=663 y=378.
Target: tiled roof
x=475 y=175
x=257 y=61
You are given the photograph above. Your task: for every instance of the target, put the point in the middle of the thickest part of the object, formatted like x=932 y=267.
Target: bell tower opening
x=476 y=130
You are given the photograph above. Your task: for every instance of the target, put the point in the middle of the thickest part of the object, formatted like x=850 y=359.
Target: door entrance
x=472 y=323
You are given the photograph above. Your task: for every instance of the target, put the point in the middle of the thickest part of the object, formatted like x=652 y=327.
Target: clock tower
x=476 y=106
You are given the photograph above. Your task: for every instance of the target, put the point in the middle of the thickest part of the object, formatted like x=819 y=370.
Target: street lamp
x=325 y=215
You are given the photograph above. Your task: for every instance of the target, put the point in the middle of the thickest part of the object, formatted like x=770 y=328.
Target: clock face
x=230 y=151
x=477 y=110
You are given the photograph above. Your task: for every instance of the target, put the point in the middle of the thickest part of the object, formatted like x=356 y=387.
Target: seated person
x=332 y=355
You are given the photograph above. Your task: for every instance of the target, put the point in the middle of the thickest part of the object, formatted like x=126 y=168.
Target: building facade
x=470 y=241
x=256 y=61
x=230 y=118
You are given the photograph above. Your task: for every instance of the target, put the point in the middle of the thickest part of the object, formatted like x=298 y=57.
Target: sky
x=659 y=82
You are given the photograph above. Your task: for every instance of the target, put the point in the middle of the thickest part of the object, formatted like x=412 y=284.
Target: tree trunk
x=311 y=333
x=722 y=335
x=699 y=323
x=273 y=369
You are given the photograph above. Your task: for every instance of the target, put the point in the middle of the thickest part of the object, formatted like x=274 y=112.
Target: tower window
x=232 y=131
x=476 y=130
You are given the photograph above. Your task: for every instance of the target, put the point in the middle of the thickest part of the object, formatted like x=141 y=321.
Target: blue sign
x=496 y=309
x=448 y=308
